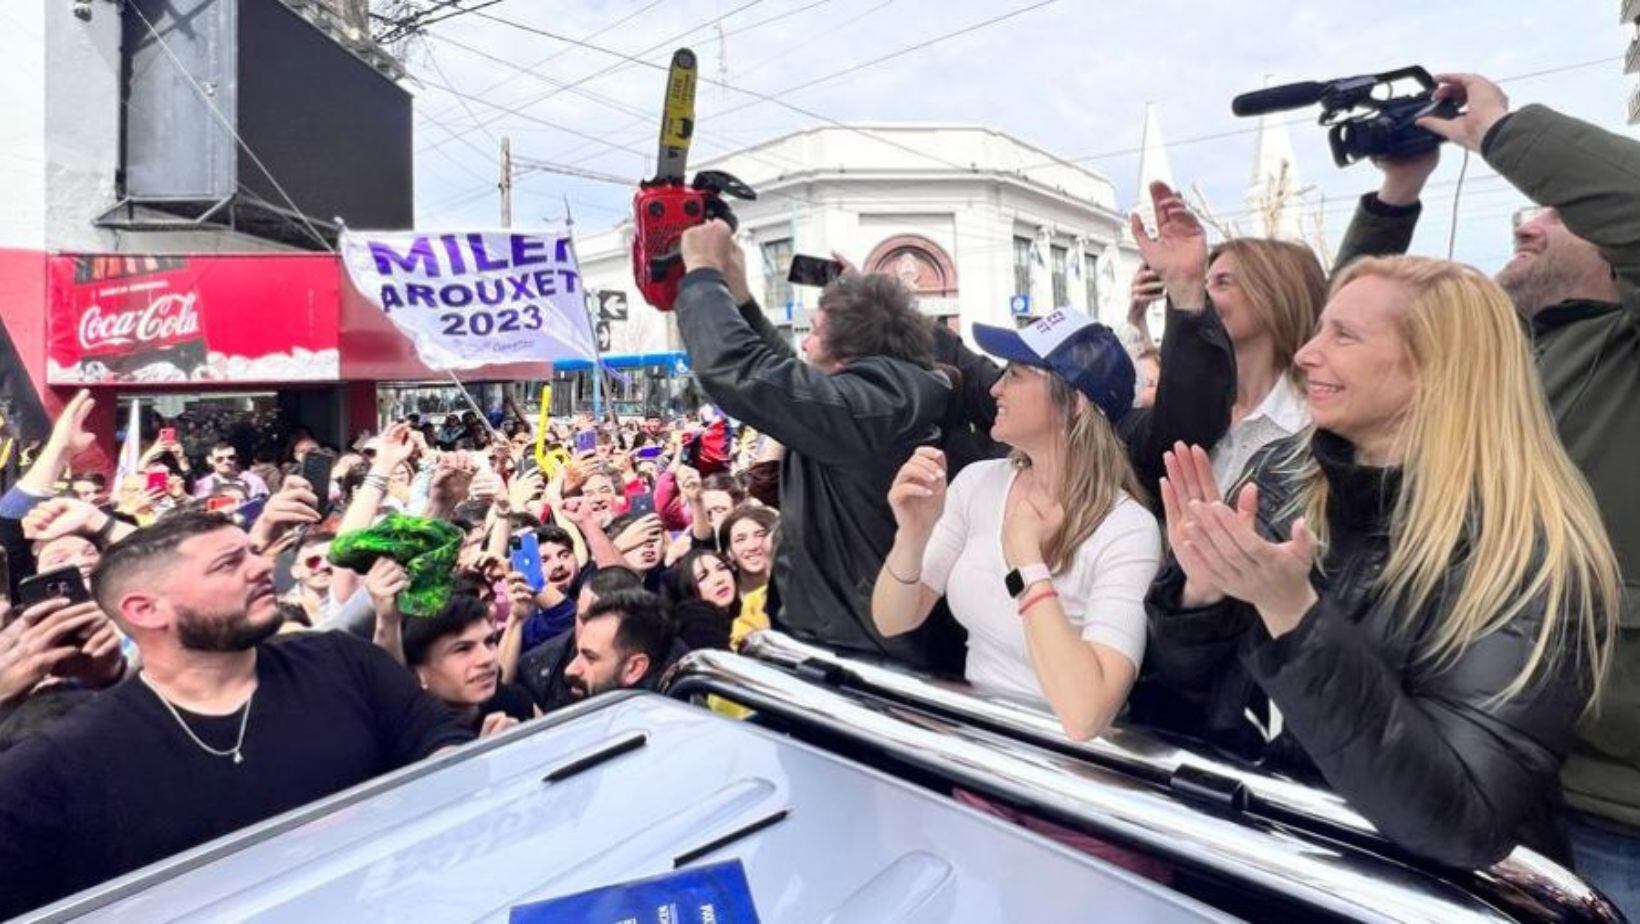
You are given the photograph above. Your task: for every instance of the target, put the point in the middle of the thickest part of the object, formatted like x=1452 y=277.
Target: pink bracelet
x=1047 y=593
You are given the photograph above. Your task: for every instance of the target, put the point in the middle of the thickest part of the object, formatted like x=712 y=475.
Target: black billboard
x=322 y=134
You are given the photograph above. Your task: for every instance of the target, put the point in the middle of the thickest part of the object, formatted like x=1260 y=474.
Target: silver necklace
x=244 y=720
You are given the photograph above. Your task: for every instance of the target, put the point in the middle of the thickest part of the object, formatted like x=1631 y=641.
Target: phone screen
x=526 y=559
x=586 y=441
x=157 y=481
x=316 y=468
x=168 y=435
x=813 y=271
x=642 y=505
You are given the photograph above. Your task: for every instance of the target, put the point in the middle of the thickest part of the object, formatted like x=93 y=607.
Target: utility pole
x=506 y=182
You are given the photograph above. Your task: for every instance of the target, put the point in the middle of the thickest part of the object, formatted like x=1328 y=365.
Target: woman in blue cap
x=1044 y=556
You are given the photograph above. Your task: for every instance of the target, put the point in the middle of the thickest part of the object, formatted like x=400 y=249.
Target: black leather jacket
x=1415 y=747
x=846 y=435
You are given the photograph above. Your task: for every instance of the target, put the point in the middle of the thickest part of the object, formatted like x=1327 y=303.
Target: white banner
x=467 y=299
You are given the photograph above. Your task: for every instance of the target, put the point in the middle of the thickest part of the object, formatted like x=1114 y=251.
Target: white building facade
x=983 y=227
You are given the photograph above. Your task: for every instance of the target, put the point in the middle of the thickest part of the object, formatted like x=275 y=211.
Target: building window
x=1061 y=288
x=1090 y=278
x=1022 y=266
x=777 y=262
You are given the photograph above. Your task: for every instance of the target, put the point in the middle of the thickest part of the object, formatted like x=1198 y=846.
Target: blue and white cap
x=1075 y=347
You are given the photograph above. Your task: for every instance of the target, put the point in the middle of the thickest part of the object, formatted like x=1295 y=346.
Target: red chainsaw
x=666 y=206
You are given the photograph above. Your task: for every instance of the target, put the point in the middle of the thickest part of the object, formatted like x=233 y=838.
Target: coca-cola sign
x=166 y=319
x=222 y=318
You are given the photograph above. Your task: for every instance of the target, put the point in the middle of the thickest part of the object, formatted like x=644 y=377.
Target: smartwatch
x=1024 y=576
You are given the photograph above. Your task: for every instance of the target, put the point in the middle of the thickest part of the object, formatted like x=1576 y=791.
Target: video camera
x=1363 y=123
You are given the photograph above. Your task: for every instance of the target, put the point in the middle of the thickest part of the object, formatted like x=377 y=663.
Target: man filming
x=849 y=417
x=1575 y=280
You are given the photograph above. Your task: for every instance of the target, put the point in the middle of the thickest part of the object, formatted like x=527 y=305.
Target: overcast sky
x=1071 y=76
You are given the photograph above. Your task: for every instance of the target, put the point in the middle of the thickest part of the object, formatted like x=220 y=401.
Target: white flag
x=468 y=299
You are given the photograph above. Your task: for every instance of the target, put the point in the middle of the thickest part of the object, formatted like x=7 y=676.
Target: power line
x=599 y=98
x=664 y=43
x=530 y=118
x=399 y=27
x=433 y=60
x=556 y=54
x=770 y=98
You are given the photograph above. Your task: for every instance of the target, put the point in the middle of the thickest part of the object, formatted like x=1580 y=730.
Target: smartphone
x=221 y=505
x=642 y=505
x=158 y=481
x=316 y=467
x=526 y=559
x=64 y=583
x=813 y=271
x=168 y=435
x=5 y=580
x=586 y=441
x=650 y=453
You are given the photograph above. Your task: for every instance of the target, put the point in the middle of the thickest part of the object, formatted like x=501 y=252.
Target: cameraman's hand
x=707 y=246
x=1485 y=105
x=1178 y=252
x=1404 y=177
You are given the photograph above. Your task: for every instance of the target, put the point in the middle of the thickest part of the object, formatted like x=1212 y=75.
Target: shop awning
x=268 y=319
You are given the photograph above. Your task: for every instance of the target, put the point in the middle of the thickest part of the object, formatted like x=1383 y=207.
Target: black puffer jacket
x=1412 y=746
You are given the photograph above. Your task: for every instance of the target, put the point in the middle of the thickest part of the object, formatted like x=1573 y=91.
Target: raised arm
x=838 y=418
x=903 y=596
x=1198 y=383
x=68 y=439
x=1590 y=176
x=396 y=449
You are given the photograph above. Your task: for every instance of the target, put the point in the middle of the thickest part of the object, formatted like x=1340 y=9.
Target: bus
x=634 y=385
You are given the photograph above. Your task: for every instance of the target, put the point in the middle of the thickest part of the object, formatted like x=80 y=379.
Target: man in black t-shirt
x=220 y=730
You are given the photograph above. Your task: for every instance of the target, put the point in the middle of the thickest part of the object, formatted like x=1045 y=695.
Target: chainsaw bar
x=677 y=118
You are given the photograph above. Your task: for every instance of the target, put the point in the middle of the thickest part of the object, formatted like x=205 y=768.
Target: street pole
x=592 y=321
x=506 y=182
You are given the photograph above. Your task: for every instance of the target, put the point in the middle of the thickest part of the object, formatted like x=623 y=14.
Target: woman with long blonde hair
x=1415 y=600
x=1044 y=556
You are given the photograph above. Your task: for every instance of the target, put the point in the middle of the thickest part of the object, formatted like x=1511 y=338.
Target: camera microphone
x=1276 y=99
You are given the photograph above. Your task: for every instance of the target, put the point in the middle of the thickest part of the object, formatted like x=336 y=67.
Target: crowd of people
x=1375 y=531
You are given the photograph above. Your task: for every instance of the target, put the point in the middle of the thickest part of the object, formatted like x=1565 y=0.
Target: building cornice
x=1005 y=178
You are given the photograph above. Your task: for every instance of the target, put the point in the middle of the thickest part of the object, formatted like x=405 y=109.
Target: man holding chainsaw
x=849 y=417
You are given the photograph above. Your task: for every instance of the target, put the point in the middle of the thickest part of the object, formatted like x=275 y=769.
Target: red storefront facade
x=166 y=326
